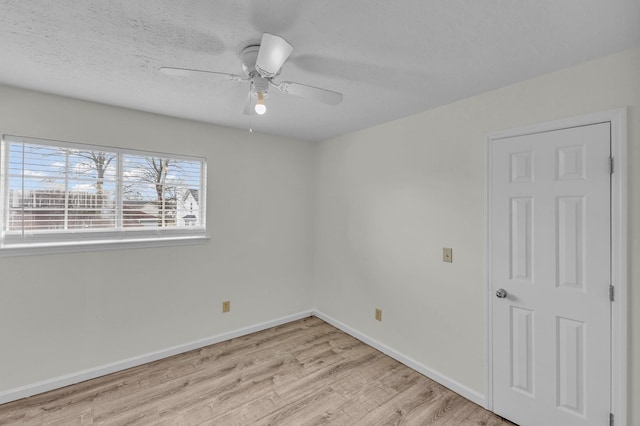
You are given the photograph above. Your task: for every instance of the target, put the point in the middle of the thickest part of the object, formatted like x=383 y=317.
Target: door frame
x=619 y=317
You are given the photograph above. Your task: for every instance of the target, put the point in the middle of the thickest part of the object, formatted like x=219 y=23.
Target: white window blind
x=64 y=193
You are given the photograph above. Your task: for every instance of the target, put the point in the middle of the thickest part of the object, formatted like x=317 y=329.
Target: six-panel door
x=550 y=252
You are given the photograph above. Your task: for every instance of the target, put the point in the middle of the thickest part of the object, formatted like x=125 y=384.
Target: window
x=58 y=193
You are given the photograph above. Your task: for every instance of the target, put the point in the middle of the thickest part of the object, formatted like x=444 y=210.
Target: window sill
x=99 y=245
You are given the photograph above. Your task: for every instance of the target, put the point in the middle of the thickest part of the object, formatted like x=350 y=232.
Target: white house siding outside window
x=63 y=194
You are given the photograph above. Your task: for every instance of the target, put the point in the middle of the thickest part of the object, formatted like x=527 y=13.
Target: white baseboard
x=458 y=388
x=92 y=373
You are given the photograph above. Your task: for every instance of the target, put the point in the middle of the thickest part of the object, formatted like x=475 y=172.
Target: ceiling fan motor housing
x=248 y=57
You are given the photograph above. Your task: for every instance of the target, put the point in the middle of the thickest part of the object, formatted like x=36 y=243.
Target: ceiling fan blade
x=186 y=72
x=310 y=92
x=273 y=53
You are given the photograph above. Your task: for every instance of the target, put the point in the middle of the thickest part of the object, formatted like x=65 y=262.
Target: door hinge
x=610 y=165
x=611 y=293
x=610 y=419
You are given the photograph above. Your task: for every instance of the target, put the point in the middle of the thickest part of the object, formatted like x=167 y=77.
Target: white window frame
x=119 y=237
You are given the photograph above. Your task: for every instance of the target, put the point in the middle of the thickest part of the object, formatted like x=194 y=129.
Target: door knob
x=501 y=293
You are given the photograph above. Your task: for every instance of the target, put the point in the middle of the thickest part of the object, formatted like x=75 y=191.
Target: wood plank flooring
x=303 y=373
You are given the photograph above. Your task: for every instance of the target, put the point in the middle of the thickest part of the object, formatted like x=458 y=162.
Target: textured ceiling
x=389 y=58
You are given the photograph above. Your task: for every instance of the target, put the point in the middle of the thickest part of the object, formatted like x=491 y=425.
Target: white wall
x=62 y=313
x=389 y=198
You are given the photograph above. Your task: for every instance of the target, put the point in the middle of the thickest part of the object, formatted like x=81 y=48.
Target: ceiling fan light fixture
x=260 y=107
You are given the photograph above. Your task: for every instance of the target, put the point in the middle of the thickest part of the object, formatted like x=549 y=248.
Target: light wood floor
x=302 y=373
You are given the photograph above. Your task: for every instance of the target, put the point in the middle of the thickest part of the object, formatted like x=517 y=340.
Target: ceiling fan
x=260 y=64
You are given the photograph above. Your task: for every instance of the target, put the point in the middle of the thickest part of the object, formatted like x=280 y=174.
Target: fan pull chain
x=250 y=108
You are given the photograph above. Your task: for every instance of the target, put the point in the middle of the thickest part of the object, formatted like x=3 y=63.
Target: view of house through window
x=61 y=191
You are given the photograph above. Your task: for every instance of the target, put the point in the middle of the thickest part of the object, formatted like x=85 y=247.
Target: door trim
x=619 y=317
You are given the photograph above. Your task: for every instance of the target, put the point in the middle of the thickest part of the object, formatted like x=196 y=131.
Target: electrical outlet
x=447 y=254
x=378 y=314
x=226 y=306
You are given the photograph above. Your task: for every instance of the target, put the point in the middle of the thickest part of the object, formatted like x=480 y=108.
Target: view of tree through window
x=53 y=188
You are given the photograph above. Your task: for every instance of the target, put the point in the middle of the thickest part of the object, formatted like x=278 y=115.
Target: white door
x=550 y=260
